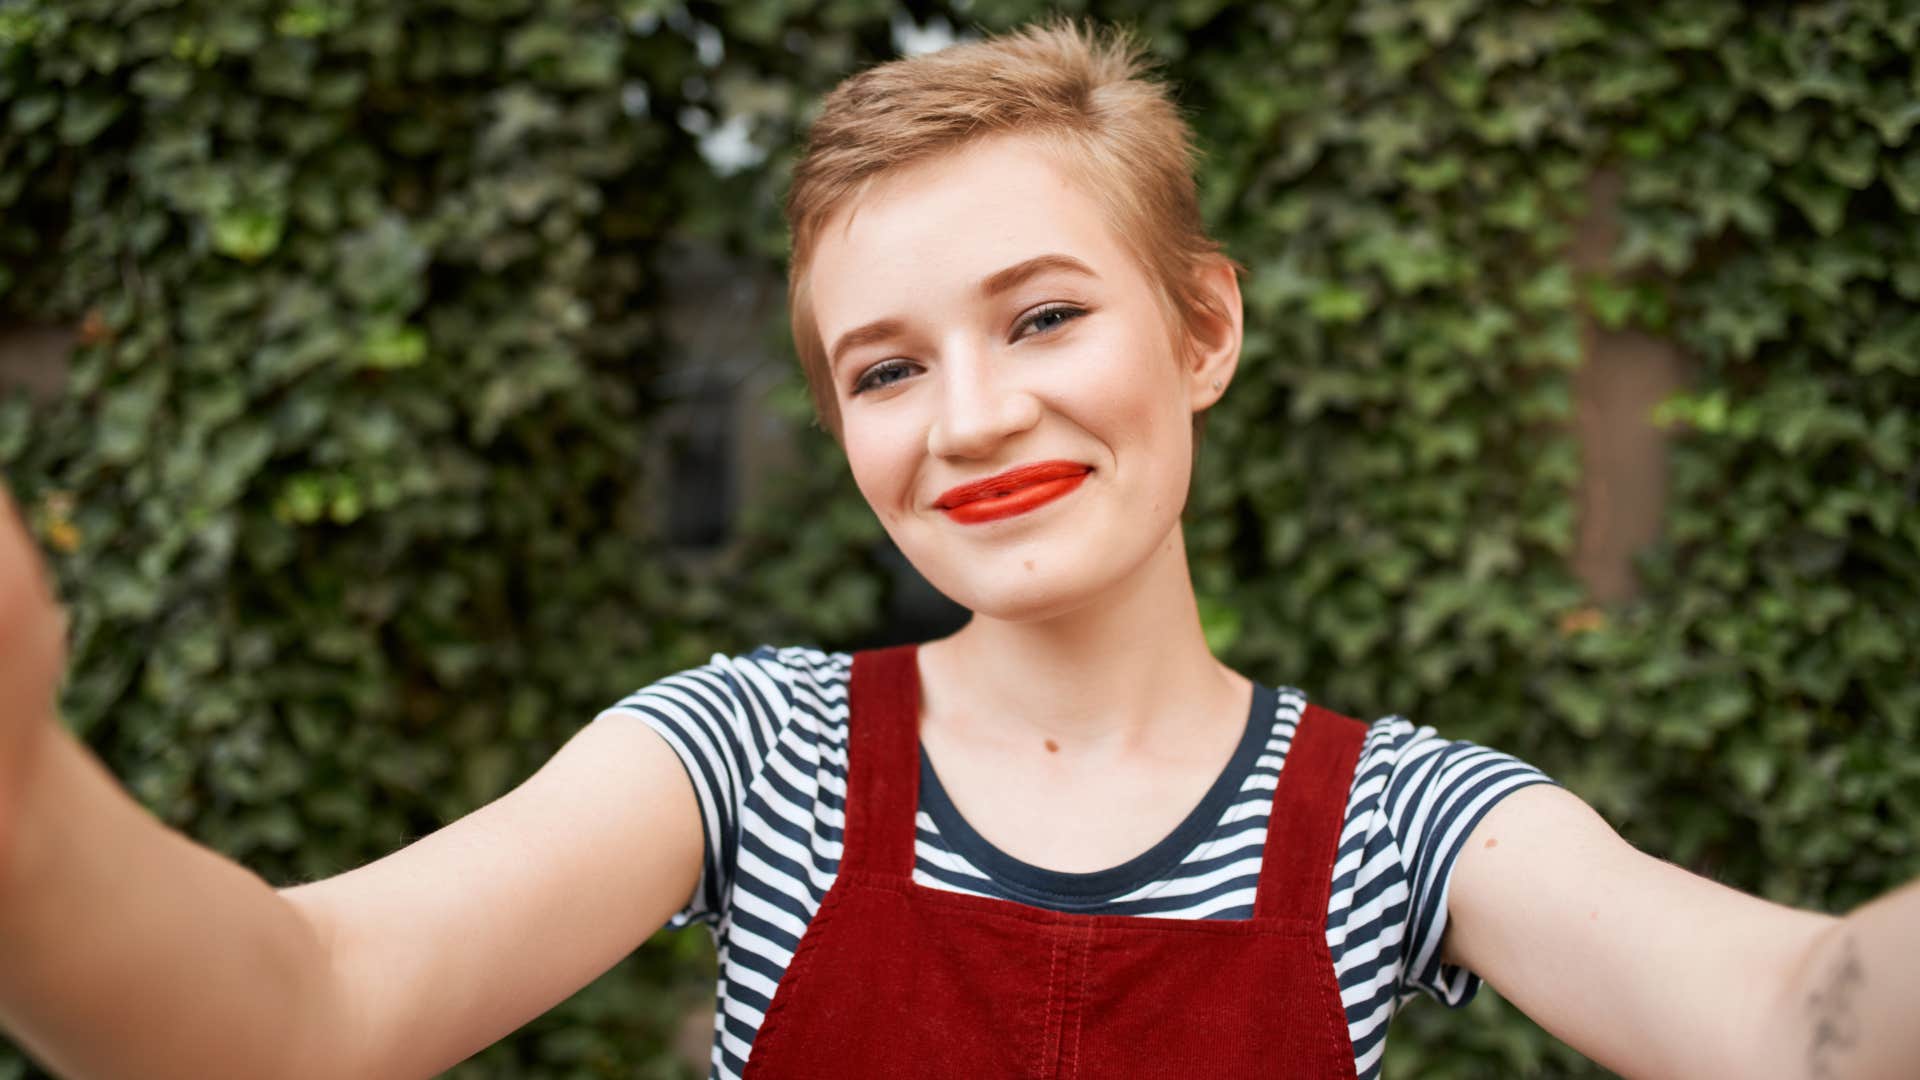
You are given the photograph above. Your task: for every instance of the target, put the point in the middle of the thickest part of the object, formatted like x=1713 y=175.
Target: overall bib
x=896 y=979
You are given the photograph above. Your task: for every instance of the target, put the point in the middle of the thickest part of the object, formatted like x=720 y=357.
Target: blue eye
x=1052 y=317
x=880 y=375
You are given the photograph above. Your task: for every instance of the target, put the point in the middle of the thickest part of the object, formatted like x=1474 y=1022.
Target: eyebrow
x=992 y=285
x=879 y=330
x=1019 y=272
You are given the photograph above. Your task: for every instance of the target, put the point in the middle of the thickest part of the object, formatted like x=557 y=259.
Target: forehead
x=935 y=229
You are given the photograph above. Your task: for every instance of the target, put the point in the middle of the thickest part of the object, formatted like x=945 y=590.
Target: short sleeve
x=721 y=719
x=1431 y=792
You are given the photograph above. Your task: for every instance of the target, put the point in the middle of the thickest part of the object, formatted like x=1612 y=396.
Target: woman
x=1064 y=840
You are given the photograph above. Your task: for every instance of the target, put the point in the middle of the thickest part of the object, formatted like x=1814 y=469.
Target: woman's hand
x=33 y=658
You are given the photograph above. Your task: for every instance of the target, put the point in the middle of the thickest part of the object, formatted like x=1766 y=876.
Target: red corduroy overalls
x=894 y=979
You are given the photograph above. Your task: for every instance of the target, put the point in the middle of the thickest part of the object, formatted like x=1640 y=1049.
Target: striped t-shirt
x=764 y=738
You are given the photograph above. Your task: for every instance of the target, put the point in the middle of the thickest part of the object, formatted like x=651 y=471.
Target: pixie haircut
x=1085 y=94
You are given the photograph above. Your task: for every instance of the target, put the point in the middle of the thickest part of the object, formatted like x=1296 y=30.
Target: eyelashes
x=1043 y=320
x=1066 y=312
x=880 y=375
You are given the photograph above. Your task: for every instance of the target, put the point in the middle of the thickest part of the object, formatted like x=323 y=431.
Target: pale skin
x=1102 y=692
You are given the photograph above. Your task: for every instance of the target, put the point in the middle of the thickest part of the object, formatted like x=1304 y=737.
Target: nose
x=981 y=406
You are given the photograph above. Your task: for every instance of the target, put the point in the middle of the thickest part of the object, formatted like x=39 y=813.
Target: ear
x=1213 y=336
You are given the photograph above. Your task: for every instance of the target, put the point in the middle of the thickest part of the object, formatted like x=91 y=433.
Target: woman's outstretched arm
x=1852 y=1006
x=128 y=950
x=1656 y=972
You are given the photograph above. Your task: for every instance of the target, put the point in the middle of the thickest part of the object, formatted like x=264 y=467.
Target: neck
x=1129 y=672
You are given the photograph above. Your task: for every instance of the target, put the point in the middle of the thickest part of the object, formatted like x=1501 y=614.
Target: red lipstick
x=1016 y=491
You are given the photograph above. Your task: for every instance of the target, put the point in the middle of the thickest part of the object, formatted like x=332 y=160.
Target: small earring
x=1216 y=384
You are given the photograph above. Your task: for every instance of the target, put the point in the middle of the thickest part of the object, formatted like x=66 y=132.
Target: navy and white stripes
x=764 y=738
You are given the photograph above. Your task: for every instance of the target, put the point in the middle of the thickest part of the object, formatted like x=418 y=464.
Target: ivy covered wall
x=361 y=477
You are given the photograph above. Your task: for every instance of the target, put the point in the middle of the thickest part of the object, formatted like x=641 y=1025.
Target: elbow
x=327 y=1040
x=1803 y=1024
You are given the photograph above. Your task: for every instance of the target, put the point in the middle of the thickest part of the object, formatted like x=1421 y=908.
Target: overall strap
x=1309 y=810
x=883 y=761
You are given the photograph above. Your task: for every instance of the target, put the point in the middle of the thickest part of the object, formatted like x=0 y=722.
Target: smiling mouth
x=1013 y=492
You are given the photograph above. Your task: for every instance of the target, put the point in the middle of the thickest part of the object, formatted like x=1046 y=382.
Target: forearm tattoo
x=1836 y=1026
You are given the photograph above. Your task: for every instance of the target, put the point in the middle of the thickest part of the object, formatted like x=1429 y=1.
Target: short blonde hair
x=1087 y=94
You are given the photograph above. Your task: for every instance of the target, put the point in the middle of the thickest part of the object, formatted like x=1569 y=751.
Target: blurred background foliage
x=359 y=481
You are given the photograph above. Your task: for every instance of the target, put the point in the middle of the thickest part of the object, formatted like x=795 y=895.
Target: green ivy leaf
x=31 y=111
x=87 y=115
x=163 y=81
x=248 y=234
x=392 y=345
x=1825 y=205
x=1334 y=303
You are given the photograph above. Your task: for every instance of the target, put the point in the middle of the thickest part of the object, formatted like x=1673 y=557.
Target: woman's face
x=980 y=317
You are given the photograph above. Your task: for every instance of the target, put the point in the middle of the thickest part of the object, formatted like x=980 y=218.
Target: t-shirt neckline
x=1072 y=891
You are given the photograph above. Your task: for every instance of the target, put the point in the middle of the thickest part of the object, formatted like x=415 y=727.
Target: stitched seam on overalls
x=1333 y=1023
x=1048 y=1044
x=802 y=958
x=972 y=904
x=1337 y=1028
x=1072 y=1069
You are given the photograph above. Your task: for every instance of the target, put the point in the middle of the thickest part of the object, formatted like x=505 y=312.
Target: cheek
x=1145 y=409
x=1152 y=427
x=882 y=468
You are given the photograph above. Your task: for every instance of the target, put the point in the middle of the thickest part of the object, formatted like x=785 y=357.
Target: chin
x=1027 y=606
x=1038 y=577
x=1018 y=597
